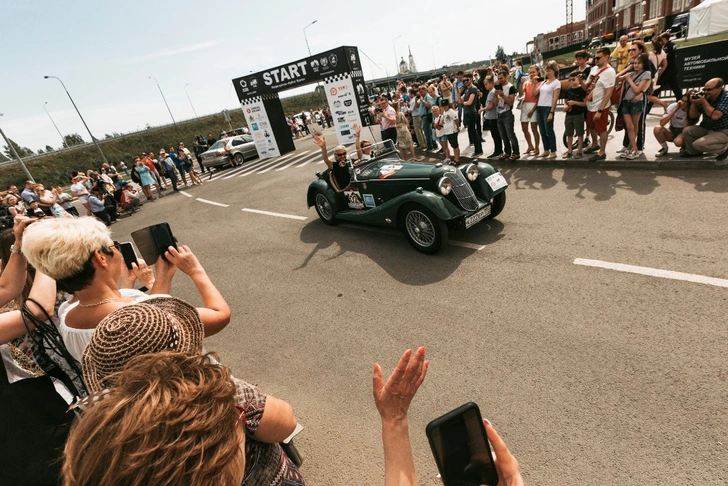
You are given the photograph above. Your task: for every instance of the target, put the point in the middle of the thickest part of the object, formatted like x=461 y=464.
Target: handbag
x=519 y=103
x=619 y=123
x=35 y=421
x=616 y=94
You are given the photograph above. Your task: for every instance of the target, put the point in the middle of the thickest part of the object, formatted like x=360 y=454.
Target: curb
x=696 y=163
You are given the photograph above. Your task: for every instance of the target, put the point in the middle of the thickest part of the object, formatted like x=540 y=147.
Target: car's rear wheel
x=324 y=208
x=425 y=232
x=238 y=158
x=497 y=205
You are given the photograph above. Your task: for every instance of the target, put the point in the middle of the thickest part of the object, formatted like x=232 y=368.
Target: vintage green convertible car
x=422 y=199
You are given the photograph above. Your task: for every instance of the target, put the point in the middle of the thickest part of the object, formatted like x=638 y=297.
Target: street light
x=15 y=153
x=190 y=100
x=304 y=36
x=63 y=140
x=434 y=66
x=164 y=99
x=394 y=48
x=93 y=139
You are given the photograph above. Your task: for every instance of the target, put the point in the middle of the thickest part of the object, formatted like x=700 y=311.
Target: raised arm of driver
x=321 y=142
x=357 y=140
x=392 y=399
x=12 y=279
x=277 y=422
x=43 y=291
x=214 y=313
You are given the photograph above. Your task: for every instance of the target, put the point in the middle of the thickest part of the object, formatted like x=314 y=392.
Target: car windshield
x=247 y=138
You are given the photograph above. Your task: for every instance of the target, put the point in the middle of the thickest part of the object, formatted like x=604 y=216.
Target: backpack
x=6 y=219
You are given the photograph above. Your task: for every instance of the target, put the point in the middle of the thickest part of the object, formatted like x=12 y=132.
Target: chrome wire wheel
x=420 y=228
x=324 y=207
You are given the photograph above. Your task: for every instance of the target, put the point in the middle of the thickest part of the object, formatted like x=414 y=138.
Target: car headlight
x=445 y=186
x=472 y=172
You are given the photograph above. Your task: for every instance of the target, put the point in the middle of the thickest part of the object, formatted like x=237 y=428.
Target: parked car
x=423 y=200
x=633 y=33
x=652 y=27
x=243 y=148
x=679 y=26
x=595 y=42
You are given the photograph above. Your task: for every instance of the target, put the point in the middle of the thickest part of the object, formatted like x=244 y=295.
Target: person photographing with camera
x=386 y=116
x=711 y=135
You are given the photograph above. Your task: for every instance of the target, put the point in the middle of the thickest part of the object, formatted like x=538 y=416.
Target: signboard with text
x=260 y=128
x=701 y=63
x=341 y=95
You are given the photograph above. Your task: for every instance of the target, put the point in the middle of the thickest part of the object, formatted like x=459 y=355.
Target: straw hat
x=149 y=327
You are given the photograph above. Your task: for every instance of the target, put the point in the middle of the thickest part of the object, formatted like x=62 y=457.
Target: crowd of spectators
x=626 y=80
x=148 y=403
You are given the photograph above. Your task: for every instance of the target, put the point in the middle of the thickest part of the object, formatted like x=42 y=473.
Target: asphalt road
x=592 y=376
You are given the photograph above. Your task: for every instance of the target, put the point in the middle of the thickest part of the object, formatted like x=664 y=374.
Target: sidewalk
x=646 y=161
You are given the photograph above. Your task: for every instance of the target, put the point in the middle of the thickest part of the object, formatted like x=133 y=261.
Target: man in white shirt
x=78 y=189
x=599 y=86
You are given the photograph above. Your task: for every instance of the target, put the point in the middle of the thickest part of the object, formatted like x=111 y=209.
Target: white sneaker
x=633 y=155
x=624 y=154
x=623 y=150
x=662 y=152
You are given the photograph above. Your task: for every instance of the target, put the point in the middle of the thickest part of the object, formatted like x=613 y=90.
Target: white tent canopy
x=708 y=18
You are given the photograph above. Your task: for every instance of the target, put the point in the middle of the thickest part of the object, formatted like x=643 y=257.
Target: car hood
x=395 y=169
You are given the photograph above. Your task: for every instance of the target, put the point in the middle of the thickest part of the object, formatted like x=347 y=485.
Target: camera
x=540 y=79
x=694 y=95
x=499 y=87
x=378 y=110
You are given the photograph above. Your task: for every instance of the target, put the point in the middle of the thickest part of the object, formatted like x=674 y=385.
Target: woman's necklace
x=105 y=301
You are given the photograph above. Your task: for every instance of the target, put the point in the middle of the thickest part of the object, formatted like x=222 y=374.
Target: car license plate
x=479 y=216
x=496 y=181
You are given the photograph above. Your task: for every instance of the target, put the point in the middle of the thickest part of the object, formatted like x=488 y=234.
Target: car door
x=249 y=146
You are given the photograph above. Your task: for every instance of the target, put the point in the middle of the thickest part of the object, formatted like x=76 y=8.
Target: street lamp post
x=93 y=139
x=164 y=99
x=15 y=153
x=434 y=66
x=190 y=100
x=63 y=140
x=304 y=36
x=394 y=48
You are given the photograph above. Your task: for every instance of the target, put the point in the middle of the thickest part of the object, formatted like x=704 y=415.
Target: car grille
x=462 y=190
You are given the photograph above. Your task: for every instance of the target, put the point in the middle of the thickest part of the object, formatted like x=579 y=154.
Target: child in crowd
x=676 y=115
x=575 y=108
x=450 y=129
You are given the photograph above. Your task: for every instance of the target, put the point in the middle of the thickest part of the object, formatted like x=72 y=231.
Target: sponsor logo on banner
x=259 y=125
x=341 y=92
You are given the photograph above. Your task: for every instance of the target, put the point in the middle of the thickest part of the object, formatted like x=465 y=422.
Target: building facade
x=617 y=16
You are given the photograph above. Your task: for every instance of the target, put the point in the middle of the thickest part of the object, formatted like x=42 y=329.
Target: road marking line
x=278 y=162
x=280 y=215
x=653 y=272
x=184 y=193
x=393 y=232
x=252 y=168
x=231 y=172
x=311 y=157
x=293 y=161
x=213 y=203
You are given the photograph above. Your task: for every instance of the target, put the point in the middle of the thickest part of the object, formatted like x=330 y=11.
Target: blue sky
x=105 y=51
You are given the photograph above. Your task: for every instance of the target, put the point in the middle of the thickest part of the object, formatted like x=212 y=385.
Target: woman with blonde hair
x=548 y=95
x=528 y=108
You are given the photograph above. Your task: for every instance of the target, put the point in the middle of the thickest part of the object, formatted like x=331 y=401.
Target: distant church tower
x=412 y=66
x=403 y=67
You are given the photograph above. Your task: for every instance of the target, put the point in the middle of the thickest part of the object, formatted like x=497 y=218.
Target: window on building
x=654 y=9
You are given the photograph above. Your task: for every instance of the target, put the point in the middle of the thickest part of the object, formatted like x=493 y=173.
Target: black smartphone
x=153 y=241
x=461 y=448
x=127 y=252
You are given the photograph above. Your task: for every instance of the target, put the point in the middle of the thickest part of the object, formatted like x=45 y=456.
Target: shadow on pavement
x=390 y=250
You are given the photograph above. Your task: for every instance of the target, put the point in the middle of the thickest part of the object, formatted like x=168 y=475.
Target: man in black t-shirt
x=468 y=98
x=669 y=75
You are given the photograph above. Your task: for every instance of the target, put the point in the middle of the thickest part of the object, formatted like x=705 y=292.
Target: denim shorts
x=629 y=108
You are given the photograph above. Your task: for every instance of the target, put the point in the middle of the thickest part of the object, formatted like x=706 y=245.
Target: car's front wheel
x=425 y=232
x=324 y=208
x=238 y=159
x=497 y=205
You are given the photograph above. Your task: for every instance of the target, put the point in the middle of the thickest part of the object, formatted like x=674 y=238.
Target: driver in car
x=340 y=175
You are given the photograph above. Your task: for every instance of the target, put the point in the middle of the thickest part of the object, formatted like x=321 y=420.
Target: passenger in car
x=340 y=175
x=363 y=149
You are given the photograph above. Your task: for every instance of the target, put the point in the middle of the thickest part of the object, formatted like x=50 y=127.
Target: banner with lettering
x=341 y=94
x=260 y=128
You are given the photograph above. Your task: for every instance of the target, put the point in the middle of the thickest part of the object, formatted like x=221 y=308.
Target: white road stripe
x=312 y=157
x=230 y=173
x=252 y=168
x=393 y=232
x=653 y=272
x=278 y=162
x=293 y=161
x=213 y=203
x=279 y=215
x=184 y=193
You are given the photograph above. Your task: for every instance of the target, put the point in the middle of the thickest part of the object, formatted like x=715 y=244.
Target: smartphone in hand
x=461 y=448
x=153 y=241
x=127 y=252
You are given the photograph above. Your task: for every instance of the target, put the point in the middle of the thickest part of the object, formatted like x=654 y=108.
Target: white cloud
x=173 y=52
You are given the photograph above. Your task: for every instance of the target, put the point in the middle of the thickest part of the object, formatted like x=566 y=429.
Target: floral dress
x=404 y=138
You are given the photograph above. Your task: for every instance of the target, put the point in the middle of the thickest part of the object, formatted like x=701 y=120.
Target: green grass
x=703 y=40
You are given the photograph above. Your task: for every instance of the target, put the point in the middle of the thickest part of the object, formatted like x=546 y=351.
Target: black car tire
x=238 y=158
x=324 y=208
x=425 y=231
x=497 y=205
